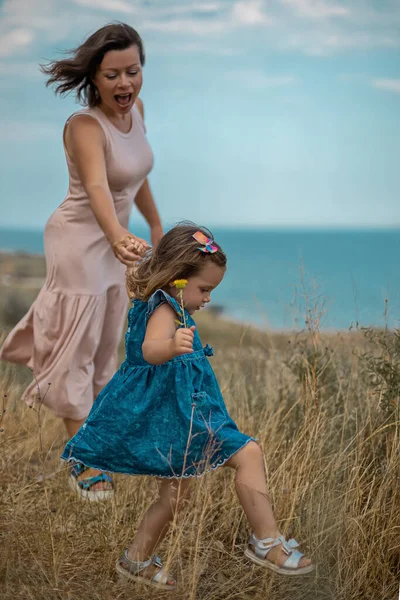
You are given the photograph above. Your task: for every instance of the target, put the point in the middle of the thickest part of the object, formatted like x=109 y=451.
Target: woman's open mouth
x=123 y=100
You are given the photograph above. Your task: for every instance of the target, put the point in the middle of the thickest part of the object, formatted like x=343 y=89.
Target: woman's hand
x=128 y=248
x=156 y=233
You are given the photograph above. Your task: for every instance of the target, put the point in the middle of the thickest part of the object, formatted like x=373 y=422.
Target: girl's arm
x=162 y=340
x=85 y=143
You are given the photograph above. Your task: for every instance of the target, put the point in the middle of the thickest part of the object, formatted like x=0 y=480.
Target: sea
x=283 y=279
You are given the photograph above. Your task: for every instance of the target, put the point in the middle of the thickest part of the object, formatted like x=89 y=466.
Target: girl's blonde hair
x=177 y=256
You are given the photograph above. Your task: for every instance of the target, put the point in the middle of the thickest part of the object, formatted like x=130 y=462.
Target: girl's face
x=199 y=287
x=119 y=79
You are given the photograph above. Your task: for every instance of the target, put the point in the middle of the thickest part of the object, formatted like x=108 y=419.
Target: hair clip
x=208 y=244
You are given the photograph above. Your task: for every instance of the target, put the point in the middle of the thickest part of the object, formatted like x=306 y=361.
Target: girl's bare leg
x=251 y=488
x=72 y=428
x=155 y=523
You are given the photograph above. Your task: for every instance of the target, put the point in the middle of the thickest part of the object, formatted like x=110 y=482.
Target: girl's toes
x=304 y=562
x=169 y=581
x=101 y=486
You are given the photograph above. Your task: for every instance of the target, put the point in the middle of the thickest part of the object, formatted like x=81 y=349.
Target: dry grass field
x=326 y=411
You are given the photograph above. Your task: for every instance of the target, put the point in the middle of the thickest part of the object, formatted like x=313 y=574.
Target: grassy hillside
x=326 y=412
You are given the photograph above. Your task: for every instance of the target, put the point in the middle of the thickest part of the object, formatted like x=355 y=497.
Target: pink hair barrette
x=207 y=243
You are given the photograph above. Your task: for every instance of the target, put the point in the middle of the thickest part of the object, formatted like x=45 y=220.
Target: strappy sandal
x=131 y=569
x=83 y=486
x=261 y=548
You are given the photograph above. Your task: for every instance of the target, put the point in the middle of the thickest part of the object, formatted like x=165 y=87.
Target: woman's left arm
x=145 y=202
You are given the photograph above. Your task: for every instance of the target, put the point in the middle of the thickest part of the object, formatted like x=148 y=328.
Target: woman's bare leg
x=72 y=428
x=251 y=488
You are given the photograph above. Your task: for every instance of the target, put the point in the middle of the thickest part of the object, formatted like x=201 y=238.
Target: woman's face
x=119 y=79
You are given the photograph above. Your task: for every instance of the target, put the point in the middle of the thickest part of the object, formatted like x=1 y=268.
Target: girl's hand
x=183 y=341
x=156 y=234
x=128 y=248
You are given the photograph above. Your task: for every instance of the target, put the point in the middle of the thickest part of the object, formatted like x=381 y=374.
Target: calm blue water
x=346 y=275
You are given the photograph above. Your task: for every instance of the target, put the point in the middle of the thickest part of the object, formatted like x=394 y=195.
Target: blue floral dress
x=165 y=420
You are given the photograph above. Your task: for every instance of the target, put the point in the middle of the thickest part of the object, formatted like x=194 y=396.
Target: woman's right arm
x=85 y=143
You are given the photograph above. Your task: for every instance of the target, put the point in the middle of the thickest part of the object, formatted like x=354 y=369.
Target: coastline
x=23 y=271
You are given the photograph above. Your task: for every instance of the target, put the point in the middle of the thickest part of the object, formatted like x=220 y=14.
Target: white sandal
x=131 y=569
x=262 y=547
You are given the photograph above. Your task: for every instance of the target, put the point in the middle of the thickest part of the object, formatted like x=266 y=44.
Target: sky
x=272 y=113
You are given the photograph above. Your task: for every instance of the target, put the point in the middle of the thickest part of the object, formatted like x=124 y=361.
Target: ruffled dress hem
x=70 y=342
x=212 y=468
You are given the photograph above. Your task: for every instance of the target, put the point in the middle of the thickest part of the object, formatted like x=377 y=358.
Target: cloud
x=42 y=21
x=153 y=10
x=202 y=9
x=108 y=5
x=197 y=46
x=389 y=85
x=226 y=18
x=184 y=26
x=328 y=41
x=15 y=40
x=327 y=27
x=311 y=27
x=317 y=9
x=249 y=13
x=206 y=7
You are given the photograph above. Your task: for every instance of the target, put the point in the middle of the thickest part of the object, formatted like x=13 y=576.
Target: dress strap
x=136 y=111
x=160 y=297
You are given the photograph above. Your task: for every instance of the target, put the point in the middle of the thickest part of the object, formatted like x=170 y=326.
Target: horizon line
x=253 y=227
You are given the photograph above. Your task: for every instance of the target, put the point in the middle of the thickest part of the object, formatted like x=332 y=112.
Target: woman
x=70 y=336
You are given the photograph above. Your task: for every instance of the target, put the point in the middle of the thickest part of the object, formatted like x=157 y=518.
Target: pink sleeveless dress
x=71 y=333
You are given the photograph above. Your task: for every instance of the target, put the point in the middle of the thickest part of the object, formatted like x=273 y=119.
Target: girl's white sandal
x=261 y=548
x=132 y=568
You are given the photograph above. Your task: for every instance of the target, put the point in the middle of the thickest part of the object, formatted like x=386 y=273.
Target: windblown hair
x=177 y=256
x=76 y=73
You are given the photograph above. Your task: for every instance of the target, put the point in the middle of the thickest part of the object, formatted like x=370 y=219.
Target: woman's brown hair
x=77 y=72
x=177 y=256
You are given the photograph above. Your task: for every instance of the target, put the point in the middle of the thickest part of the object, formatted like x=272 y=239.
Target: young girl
x=163 y=414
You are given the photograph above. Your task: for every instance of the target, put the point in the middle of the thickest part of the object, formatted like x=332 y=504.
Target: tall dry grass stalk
x=332 y=462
